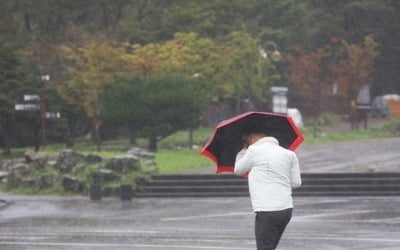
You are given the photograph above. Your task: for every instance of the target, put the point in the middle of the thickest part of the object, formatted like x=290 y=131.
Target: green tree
x=244 y=71
x=153 y=106
x=14 y=83
x=356 y=65
x=96 y=66
x=310 y=76
x=351 y=21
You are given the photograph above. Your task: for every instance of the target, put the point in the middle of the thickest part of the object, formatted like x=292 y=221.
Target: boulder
x=138 y=152
x=104 y=175
x=79 y=168
x=28 y=182
x=46 y=180
x=91 y=158
x=20 y=170
x=71 y=183
x=3 y=175
x=68 y=159
x=123 y=164
x=6 y=165
x=29 y=156
x=41 y=161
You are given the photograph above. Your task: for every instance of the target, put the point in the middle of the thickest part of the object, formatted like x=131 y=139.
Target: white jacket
x=273 y=172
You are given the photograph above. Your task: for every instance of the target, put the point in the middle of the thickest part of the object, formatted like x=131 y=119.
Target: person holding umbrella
x=260 y=145
x=272 y=173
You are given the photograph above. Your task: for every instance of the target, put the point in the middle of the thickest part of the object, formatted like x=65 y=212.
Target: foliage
x=96 y=66
x=355 y=65
x=309 y=76
x=15 y=81
x=244 y=71
x=180 y=139
x=216 y=40
x=154 y=106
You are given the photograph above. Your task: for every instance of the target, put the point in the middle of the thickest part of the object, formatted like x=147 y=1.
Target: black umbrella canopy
x=228 y=136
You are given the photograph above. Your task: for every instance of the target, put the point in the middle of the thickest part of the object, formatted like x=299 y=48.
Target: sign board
x=28 y=98
x=363 y=97
x=53 y=115
x=27 y=107
x=279 y=99
x=279 y=104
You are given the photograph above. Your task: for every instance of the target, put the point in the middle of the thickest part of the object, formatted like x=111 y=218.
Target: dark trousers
x=269 y=228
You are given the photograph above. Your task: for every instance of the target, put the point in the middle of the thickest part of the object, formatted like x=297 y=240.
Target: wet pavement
x=367 y=155
x=323 y=223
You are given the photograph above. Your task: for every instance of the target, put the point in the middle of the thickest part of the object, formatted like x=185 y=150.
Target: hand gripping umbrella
x=228 y=136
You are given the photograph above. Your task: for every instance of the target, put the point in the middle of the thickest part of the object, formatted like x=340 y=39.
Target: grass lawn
x=174 y=155
x=170 y=161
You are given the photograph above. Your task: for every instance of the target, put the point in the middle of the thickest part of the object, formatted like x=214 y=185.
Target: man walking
x=273 y=172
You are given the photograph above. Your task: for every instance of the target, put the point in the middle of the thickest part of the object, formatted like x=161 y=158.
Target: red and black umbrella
x=228 y=136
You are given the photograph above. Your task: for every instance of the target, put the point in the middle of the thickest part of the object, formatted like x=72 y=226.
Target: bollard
x=95 y=192
x=126 y=192
x=95 y=188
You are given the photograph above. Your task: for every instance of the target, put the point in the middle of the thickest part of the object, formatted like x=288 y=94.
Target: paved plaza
x=323 y=223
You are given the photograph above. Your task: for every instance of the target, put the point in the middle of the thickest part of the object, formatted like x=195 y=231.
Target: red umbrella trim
x=220 y=169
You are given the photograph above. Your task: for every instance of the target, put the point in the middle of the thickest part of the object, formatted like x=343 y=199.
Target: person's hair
x=259 y=134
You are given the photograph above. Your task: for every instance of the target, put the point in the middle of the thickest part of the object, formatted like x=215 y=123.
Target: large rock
x=3 y=175
x=28 y=182
x=19 y=170
x=138 y=152
x=91 y=158
x=29 y=156
x=104 y=175
x=72 y=184
x=46 y=180
x=39 y=160
x=7 y=165
x=68 y=159
x=123 y=164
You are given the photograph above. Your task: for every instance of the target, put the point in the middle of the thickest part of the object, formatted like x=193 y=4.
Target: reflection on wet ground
x=194 y=223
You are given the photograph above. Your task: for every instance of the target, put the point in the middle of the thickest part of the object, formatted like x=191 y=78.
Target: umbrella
x=228 y=136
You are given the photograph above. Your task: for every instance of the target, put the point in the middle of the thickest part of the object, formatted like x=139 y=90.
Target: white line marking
x=121 y=245
x=204 y=216
x=339 y=238
x=312 y=216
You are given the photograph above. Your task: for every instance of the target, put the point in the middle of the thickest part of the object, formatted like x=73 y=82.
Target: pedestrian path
x=329 y=223
x=361 y=156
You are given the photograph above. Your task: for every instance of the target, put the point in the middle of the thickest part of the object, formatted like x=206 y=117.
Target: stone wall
x=73 y=172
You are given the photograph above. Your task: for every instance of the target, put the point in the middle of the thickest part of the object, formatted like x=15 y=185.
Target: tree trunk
x=153 y=143
x=132 y=135
x=69 y=139
x=36 y=136
x=96 y=133
x=190 y=143
x=7 y=131
x=6 y=145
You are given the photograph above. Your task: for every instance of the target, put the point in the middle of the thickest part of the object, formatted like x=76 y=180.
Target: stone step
x=246 y=194
x=228 y=185
x=304 y=176
x=339 y=188
x=305 y=181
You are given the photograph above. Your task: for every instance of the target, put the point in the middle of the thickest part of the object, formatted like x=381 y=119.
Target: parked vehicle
x=380 y=106
x=296 y=116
